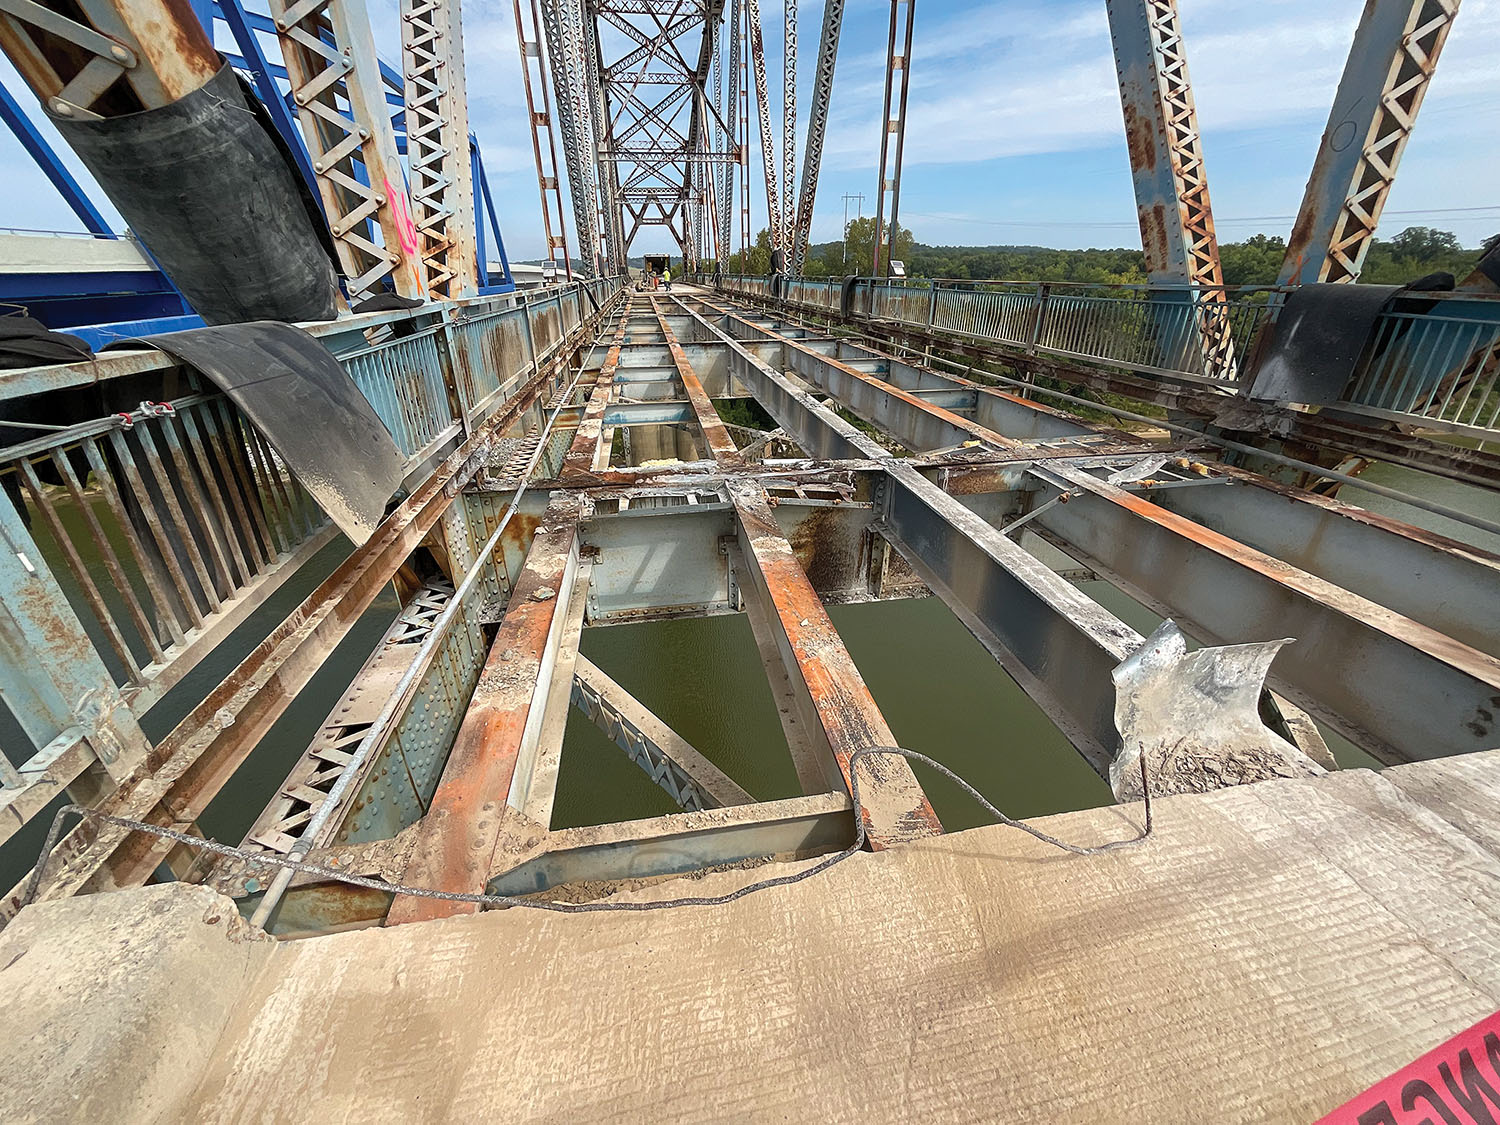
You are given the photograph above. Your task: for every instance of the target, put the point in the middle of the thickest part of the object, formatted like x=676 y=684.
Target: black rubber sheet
x=296 y=394
x=1320 y=334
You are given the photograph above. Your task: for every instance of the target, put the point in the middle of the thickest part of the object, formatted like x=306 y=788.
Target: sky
x=1014 y=131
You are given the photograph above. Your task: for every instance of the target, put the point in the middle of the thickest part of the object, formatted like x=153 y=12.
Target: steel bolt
x=119 y=54
x=61 y=108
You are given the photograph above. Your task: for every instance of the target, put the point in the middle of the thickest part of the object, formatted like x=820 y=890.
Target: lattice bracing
x=335 y=81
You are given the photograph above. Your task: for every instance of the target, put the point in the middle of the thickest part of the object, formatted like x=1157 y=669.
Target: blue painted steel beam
x=649 y=413
x=1161 y=133
x=53 y=168
x=507 y=283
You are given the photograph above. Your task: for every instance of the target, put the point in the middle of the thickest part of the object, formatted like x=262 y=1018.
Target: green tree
x=860 y=238
x=1423 y=244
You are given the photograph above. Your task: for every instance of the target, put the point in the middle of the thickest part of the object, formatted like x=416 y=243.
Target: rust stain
x=1153 y=221
x=1140 y=138
x=456 y=840
x=1421 y=637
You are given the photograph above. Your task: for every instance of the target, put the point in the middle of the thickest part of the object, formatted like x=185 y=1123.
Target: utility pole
x=893 y=124
x=858 y=214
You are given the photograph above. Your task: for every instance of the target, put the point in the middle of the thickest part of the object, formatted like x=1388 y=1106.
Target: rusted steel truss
x=1390 y=68
x=903 y=480
x=1166 y=160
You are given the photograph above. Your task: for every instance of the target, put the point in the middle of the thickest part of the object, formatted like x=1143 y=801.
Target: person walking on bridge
x=666 y=277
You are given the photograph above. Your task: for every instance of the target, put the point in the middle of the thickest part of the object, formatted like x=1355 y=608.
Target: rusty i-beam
x=895 y=808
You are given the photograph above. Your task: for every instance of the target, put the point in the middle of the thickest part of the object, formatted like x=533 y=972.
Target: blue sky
x=1014 y=131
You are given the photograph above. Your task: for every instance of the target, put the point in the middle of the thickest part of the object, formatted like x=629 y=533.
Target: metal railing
x=132 y=549
x=1432 y=360
x=1192 y=332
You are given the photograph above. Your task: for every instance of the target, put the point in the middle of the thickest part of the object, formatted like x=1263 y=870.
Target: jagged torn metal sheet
x=296 y=394
x=1196 y=717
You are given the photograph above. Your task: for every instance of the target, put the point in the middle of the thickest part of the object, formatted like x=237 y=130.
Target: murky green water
x=940 y=691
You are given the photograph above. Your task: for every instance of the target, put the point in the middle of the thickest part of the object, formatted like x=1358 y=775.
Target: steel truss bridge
x=557 y=459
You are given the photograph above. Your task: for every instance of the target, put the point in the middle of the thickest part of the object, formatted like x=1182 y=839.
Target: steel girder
x=437 y=131
x=1391 y=63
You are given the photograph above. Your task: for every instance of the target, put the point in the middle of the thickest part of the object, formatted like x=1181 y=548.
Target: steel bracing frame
x=640 y=122
x=1391 y=64
x=437 y=132
x=336 y=86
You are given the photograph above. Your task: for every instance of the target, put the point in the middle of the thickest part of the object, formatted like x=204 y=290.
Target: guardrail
x=131 y=551
x=1432 y=359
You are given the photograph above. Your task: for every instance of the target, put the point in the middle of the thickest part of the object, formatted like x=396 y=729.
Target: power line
x=1131 y=225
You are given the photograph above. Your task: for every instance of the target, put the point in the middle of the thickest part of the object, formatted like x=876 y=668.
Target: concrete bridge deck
x=1272 y=951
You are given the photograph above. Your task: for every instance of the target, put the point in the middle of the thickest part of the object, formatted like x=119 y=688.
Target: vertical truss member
x=1166 y=161
x=437 y=130
x=743 y=32
x=549 y=182
x=890 y=175
x=789 y=135
x=335 y=80
x=817 y=127
x=560 y=21
x=731 y=115
x=1391 y=64
x=611 y=247
x=767 y=146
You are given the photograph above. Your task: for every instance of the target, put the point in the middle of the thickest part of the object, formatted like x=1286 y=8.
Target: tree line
x=1415 y=252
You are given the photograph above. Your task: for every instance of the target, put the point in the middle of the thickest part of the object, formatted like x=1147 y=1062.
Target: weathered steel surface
x=895 y=808
x=1391 y=64
x=1400 y=689
x=177 y=779
x=457 y=838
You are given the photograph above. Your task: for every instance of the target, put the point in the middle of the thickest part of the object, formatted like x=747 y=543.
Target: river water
x=940 y=691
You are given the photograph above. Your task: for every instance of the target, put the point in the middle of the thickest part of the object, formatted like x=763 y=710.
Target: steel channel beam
x=587 y=450
x=1399 y=689
x=819 y=431
x=1055 y=642
x=1421 y=575
x=684 y=842
x=648 y=413
x=837 y=700
x=1365 y=554
x=541 y=780
x=457 y=840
